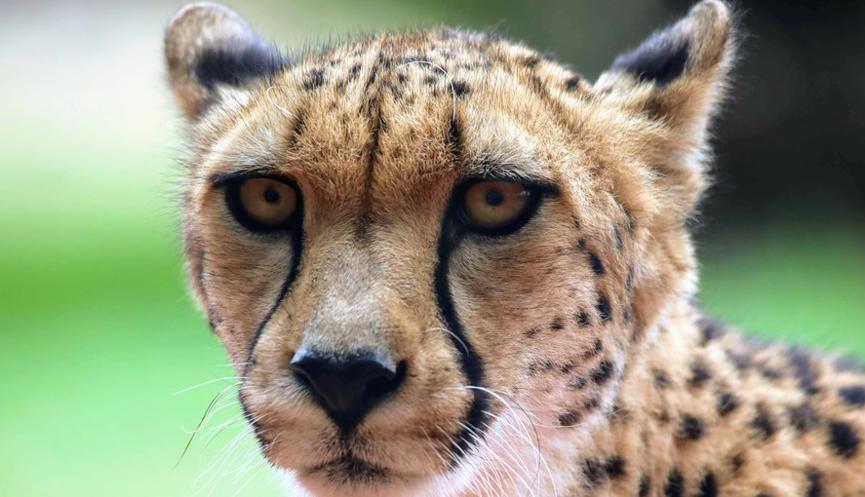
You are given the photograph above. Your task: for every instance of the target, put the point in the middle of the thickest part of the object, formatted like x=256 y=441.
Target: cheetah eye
x=262 y=203
x=498 y=207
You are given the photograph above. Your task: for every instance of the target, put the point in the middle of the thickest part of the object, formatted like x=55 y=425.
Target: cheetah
x=444 y=264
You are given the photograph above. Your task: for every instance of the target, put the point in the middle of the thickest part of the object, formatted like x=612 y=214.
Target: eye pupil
x=271 y=196
x=495 y=198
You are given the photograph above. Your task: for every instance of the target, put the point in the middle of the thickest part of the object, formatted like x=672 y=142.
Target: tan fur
x=366 y=131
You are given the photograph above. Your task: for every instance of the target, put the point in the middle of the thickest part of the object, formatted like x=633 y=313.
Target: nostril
x=387 y=383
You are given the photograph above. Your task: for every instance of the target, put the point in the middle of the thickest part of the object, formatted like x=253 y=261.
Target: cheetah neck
x=702 y=410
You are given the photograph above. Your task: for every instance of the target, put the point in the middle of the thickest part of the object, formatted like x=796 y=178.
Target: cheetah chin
x=444 y=264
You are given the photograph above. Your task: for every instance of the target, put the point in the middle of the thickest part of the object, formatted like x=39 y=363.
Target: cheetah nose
x=347 y=387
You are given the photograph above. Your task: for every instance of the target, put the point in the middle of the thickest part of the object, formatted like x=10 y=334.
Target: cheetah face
x=415 y=247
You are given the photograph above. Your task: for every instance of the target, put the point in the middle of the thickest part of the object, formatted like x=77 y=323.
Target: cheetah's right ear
x=678 y=74
x=208 y=45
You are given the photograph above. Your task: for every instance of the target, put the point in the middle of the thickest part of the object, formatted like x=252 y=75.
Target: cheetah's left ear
x=678 y=74
x=208 y=46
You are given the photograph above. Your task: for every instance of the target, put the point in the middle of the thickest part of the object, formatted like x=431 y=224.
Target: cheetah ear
x=679 y=73
x=209 y=45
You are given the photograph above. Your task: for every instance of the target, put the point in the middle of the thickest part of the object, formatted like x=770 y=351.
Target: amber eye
x=496 y=205
x=261 y=203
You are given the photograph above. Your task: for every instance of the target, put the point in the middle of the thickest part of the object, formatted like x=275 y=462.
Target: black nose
x=347 y=387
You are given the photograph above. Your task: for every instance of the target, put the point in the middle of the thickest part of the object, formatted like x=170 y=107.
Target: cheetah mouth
x=354 y=475
x=350 y=468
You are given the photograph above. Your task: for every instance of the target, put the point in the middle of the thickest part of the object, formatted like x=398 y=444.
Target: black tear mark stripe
x=296 y=256
x=475 y=422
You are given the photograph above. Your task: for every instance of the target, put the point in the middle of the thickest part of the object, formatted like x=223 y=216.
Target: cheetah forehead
x=408 y=102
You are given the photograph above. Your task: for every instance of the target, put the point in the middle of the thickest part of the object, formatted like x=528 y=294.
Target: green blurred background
x=98 y=334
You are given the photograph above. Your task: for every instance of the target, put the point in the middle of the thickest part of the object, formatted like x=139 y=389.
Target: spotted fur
x=565 y=359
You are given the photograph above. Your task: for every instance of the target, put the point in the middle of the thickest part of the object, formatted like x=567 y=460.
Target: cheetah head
x=431 y=255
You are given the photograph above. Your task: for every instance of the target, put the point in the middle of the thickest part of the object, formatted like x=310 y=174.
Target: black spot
x=430 y=80
x=531 y=61
x=741 y=361
x=581 y=243
x=843 y=439
x=597 y=348
x=712 y=329
x=238 y=66
x=592 y=403
x=619 y=412
x=804 y=370
x=626 y=315
x=708 y=486
x=569 y=418
x=803 y=417
x=567 y=367
x=854 y=395
x=460 y=88
x=771 y=373
x=540 y=366
x=764 y=494
x=353 y=72
x=617 y=234
x=604 y=310
x=727 y=403
x=593 y=472
x=660 y=59
x=557 y=324
x=736 y=462
x=675 y=486
x=614 y=467
x=763 y=423
x=602 y=373
x=597 y=265
x=645 y=486
x=577 y=383
x=629 y=279
x=576 y=221
x=691 y=428
x=582 y=319
x=573 y=83
x=662 y=380
x=531 y=332
x=314 y=79
x=700 y=374
x=815 y=483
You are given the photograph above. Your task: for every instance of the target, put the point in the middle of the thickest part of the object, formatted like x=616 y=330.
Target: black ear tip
x=237 y=65
x=660 y=59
